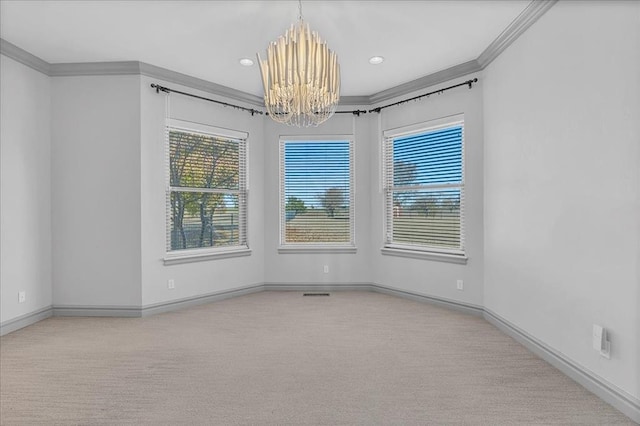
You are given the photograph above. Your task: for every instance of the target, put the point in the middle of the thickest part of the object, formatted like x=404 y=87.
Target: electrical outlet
x=22 y=296
x=460 y=285
x=326 y=269
x=601 y=341
x=171 y=284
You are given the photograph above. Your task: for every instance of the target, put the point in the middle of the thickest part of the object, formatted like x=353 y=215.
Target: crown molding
x=353 y=100
x=142 y=68
x=94 y=68
x=527 y=17
x=523 y=21
x=199 y=84
x=12 y=51
x=426 y=81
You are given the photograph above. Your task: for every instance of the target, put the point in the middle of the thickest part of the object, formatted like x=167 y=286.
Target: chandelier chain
x=300 y=10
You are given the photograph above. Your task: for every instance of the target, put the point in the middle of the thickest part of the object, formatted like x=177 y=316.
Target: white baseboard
x=317 y=286
x=621 y=400
x=96 y=311
x=467 y=308
x=377 y=288
x=158 y=308
x=25 y=320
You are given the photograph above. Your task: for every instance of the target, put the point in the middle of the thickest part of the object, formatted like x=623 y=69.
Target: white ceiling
x=205 y=39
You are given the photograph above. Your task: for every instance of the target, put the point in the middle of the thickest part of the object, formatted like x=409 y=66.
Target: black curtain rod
x=168 y=90
x=415 y=98
x=250 y=110
x=354 y=112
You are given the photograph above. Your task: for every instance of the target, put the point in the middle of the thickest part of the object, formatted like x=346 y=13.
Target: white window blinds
x=424 y=187
x=316 y=192
x=207 y=191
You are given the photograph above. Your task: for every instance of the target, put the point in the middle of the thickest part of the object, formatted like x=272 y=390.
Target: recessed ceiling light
x=375 y=60
x=246 y=62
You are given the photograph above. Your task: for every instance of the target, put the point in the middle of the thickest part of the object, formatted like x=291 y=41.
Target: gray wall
x=95 y=124
x=562 y=184
x=25 y=189
x=205 y=277
x=435 y=278
x=368 y=265
x=307 y=268
x=109 y=195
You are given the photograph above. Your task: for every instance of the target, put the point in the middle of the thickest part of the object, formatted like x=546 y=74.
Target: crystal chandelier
x=301 y=77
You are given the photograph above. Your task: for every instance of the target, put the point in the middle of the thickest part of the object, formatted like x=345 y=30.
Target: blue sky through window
x=433 y=157
x=312 y=167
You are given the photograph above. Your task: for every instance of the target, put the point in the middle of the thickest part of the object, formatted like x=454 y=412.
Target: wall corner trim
x=527 y=17
x=618 y=398
x=25 y=320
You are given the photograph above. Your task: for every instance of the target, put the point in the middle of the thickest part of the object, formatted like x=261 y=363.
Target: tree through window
x=207 y=190
x=424 y=187
x=316 y=194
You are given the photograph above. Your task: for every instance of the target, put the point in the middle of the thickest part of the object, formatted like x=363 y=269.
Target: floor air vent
x=316 y=294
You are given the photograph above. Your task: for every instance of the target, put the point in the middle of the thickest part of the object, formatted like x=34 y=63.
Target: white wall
x=307 y=268
x=427 y=277
x=96 y=191
x=25 y=189
x=203 y=277
x=562 y=184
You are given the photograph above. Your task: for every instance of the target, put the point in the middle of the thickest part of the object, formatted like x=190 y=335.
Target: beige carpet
x=281 y=358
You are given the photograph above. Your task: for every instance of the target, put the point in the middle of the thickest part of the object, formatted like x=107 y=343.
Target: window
x=424 y=187
x=316 y=193
x=207 y=192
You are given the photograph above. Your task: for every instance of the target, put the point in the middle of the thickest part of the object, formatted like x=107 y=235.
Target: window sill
x=199 y=256
x=460 y=259
x=316 y=249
